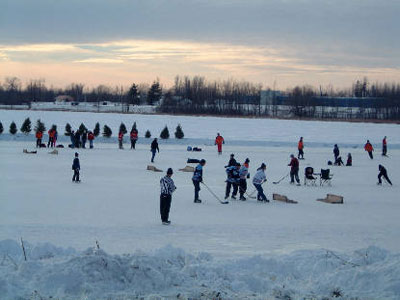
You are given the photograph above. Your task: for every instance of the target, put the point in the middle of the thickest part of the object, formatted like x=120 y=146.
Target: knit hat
x=76 y=154
x=169 y=171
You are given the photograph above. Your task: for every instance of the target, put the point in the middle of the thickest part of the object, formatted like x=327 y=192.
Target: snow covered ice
x=235 y=251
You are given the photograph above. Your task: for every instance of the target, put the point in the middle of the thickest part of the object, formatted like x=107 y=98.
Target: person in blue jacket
x=197 y=178
x=76 y=167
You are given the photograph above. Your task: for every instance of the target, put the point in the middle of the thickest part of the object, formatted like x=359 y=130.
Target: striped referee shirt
x=167 y=185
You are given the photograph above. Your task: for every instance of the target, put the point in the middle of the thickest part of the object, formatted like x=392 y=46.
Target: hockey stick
x=255 y=191
x=215 y=196
x=277 y=182
x=247 y=194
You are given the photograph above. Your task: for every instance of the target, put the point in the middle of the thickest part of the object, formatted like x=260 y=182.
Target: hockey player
x=167 y=188
x=219 y=140
x=232 y=161
x=90 y=138
x=197 y=178
x=258 y=179
x=76 y=167
x=154 y=148
x=383 y=172
x=120 y=140
x=336 y=152
x=384 y=147
x=134 y=138
x=300 y=147
x=243 y=174
x=233 y=179
x=368 y=147
x=39 y=136
x=294 y=169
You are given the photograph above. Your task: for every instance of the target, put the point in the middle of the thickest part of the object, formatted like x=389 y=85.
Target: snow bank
x=52 y=272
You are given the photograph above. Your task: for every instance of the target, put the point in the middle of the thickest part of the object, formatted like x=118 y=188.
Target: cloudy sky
x=274 y=42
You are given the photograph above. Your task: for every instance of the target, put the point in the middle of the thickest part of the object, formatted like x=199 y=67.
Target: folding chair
x=325 y=177
x=308 y=176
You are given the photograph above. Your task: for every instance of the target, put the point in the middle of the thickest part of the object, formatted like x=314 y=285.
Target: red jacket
x=294 y=164
x=120 y=136
x=219 y=140
x=368 y=147
x=39 y=135
x=300 y=146
x=384 y=142
x=90 y=137
x=134 y=135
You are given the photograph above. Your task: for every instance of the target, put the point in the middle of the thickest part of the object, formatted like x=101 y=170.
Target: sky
x=278 y=43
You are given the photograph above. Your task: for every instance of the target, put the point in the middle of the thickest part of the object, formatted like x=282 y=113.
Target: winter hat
x=291 y=155
x=232 y=155
x=203 y=161
x=263 y=166
x=76 y=154
x=169 y=171
x=237 y=164
x=247 y=161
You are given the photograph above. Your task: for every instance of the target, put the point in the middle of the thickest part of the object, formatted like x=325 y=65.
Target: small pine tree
x=26 y=126
x=54 y=127
x=164 y=133
x=68 y=130
x=96 y=130
x=82 y=128
x=122 y=128
x=13 y=128
x=179 y=132
x=147 y=134
x=1 y=128
x=134 y=126
x=40 y=126
x=107 y=132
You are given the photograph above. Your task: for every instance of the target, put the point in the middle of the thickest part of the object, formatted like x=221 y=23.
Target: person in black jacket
x=383 y=172
x=76 y=167
x=336 y=152
x=154 y=148
x=232 y=161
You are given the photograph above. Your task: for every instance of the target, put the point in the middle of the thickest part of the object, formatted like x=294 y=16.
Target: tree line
x=197 y=95
x=26 y=128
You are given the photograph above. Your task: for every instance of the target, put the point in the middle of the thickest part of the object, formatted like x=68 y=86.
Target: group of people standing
x=80 y=138
x=133 y=138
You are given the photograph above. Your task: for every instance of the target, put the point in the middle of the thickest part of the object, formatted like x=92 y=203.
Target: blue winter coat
x=76 y=164
x=198 y=173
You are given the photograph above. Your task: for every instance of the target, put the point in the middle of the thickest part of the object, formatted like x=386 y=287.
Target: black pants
x=242 y=187
x=133 y=144
x=196 y=189
x=50 y=142
x=370 y=155
x=384 y=175
x=165 y=205
x=384 y=150
x=38 y=143
x=301 y=153
x=76 y=175
x=120 y=144
x=294 y=174
x=228 y=189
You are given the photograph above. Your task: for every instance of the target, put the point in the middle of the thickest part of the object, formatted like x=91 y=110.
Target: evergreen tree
x=68 y=130
x=122 y=128
x=13 y=128
x=82 y=128
x=26 y=126
x=154 y=93
x=40 y=126
x=134 y=126
x=179 y=132
x=147 y=134
x=54 y=127
x=96 y=130
x=133 y=95
x=107 y=132
x=164 y=133
x=1 y=128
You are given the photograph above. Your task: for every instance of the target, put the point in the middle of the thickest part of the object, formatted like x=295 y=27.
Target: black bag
x=193 y=161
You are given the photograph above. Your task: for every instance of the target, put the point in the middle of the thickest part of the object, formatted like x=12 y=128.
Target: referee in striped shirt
x=167 y=188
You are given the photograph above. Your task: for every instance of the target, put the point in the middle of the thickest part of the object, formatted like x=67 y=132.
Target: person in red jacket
x=134 y=138
x=294 y=169
x=50 y=143
x=120 y=139
x=39 y=136
x=300 y=147
x=384 y=147
x=368 y=147
x=90 y=138
x=219 y=140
